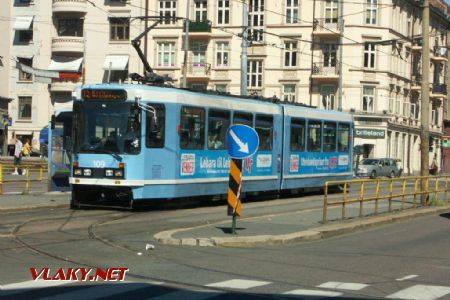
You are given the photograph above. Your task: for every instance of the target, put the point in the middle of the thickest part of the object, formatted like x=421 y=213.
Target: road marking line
x=343 y=285
x=421 y=292
x=407 y=277
x=191 y=295
x=314 y=293
x=241 y=284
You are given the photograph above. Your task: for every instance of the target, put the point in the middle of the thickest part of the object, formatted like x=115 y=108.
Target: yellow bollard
x=377 y=195
x=427 y=190
x=345 y=199
x=403 y=193
x=436 y=188
x=416 y=186
x=361 y=199
x=41 y=173
x=391 y=185
x=27 y=181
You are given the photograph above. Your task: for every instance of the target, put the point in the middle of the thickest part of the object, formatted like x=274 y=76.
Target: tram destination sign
x=104 y=94
x=370 y=133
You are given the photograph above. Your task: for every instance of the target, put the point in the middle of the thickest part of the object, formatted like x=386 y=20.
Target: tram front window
x=107 y=128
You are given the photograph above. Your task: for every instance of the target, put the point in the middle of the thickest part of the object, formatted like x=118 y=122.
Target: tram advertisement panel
x=309 y=163
x=199 y=164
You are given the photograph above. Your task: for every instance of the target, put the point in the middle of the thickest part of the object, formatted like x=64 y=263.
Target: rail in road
x=366 y=195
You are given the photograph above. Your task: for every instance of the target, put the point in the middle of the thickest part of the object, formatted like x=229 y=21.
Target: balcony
x=438 y=90
x=62 y=6
x=416 y=82
x=325 y=73
x=198 y=70
x=199 y=29
x=66 y=83
x=439 y=54
x=325 y=27
x=417 y=45
x=68 y=44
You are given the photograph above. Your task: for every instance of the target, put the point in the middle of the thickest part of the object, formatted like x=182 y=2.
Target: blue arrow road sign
x=242 y=141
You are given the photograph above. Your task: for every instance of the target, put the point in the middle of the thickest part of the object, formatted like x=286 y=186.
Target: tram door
x=60 y=152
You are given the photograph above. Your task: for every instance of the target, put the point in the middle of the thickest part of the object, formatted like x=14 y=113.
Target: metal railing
x=403 y=192
x=38 y=170
x=323 y=70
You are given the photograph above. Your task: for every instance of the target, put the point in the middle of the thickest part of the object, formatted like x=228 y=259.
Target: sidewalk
x=19 y=201
x=288 y=227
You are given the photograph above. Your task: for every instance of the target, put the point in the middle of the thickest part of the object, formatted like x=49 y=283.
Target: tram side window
x=343 y=137
x=218 y=123
x=155 y=131
x=297 y=135
x=192 y=135
x=264 y=128
x=314 y=136
x=243 y=119
x=329 y=137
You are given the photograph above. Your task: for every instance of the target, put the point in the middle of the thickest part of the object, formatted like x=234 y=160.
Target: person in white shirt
x=17 y=156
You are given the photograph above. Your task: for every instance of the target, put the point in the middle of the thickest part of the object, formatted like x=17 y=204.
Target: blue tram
x=134 y=142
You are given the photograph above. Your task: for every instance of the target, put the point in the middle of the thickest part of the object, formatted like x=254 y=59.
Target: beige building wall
x=380 y=65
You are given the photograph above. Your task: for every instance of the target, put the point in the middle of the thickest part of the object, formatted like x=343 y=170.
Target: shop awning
x=63 y=107
x=23 y=23
x=65 y=64
x=116 y=62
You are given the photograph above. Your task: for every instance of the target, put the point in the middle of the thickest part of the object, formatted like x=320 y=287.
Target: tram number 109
x=99 y=163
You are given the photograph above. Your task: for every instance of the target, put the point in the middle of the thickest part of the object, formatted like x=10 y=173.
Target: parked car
x=374 y=167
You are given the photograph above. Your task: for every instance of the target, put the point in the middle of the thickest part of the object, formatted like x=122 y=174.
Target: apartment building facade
x=294 y=54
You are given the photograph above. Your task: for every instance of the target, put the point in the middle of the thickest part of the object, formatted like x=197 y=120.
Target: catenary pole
x=186 y=45
x=244 y=48
x=425 y=99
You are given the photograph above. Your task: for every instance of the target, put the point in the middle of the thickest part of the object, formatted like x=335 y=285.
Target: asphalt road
x=406 y=260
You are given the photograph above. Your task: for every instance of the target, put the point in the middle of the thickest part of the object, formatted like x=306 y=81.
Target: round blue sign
x=242 y=141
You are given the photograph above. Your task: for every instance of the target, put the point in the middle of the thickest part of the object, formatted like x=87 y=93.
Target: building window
x=222 y=53
x=221 y=88
x=168 y=11
x=25 y=36
x=329 y=55
x=327 y=93
x=254 y=73
x=256 y=20
x=24 y=76
x=119 y=29
x=371 y=12
x=201 y=10
x=331 y=11
x=70 y=27
x=369 y=55
x=290 y=54
x=117 y=75
x=368 y=98
x=24 y=108
x=292 y=9
x=289 y=93
x=166 y=54
x=223 y=12
x=199 y=53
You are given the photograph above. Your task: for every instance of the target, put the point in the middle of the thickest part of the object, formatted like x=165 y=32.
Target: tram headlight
x=109 y=173
x=87 y=172
x=118 y=173
x=77 y=172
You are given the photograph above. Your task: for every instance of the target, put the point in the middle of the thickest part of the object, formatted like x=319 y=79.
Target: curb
x=321 y=232
x=28 y=207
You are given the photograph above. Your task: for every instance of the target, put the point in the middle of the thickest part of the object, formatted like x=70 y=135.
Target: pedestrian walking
x=26 y=148
x=17 y=156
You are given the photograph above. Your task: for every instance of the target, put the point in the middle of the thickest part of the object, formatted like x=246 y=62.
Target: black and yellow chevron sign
x=234 y=187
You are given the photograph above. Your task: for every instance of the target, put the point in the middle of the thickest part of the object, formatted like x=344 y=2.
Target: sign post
x=242 y=142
